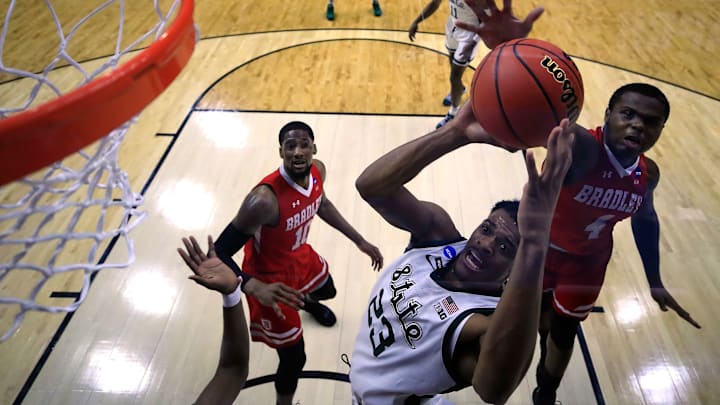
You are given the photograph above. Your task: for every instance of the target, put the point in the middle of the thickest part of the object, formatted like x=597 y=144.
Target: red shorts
x=575 y=281
x=265 y=325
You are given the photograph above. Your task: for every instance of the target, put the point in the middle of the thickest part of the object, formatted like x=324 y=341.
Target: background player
x=610 y=179
x=426 y=309
x=273 y=225
x=330 y=10
x=462 y=43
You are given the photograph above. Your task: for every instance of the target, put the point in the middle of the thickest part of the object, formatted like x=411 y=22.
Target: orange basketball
x=523 y=88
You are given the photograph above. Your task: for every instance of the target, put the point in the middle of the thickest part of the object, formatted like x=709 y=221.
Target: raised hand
x=208 y=271
x=374 y=253
x=665 y=301
x=467 y=125
x=542 y=189
x=498 y=26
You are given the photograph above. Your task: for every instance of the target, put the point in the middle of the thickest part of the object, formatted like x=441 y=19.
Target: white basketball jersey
x=459 y=11
x=409 y=330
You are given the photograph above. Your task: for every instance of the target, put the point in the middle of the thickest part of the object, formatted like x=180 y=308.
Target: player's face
x=297 y=152
x=633 y=125
x=490 y=251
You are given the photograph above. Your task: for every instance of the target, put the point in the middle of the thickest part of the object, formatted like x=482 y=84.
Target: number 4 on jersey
x=597 y=226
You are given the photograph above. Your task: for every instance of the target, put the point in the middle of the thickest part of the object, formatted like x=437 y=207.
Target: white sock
x=454 y=110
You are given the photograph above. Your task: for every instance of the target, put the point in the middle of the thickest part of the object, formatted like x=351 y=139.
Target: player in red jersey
x=272 y=225
x=610 y=179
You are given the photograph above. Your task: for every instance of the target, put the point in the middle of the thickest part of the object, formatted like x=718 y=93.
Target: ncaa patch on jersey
x=449 y=252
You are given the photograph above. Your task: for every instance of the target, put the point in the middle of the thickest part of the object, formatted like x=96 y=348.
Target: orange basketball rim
x=37 y=137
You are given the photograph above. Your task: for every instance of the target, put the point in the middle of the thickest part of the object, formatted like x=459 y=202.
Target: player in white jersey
x=428 y=327
x=462 y=43
x=427 y=332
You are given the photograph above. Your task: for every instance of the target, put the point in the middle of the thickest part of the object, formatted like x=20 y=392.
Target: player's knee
x=563 y=331
x=292 y=361
x=325 y=292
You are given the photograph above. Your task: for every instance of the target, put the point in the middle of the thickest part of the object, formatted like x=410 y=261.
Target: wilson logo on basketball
x=569 y=96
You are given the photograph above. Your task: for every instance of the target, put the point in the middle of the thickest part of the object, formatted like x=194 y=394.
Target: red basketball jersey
x=588 y=210
x=283 y=248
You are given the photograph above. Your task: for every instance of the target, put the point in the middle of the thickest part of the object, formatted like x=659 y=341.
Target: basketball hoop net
x=62 y=218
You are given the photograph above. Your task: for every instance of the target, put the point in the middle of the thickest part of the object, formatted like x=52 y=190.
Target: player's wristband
x=232 y=299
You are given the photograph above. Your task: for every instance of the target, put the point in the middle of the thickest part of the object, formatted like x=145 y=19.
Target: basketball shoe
x=445 y=120
x=447 y=101
x=330 y=12
x=376 y=8
x=321 y=313
x=544 y=399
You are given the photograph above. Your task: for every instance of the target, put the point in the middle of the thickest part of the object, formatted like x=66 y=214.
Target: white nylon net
x=56 y=224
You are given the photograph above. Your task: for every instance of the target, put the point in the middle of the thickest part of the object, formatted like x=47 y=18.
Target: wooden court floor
x=148 y=335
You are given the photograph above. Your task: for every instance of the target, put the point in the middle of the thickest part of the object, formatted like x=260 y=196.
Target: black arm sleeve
x=227 y=244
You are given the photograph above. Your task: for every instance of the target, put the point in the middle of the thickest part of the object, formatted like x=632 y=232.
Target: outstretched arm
x=328 y=213
x=499 y=26
x=382 y=184
x=259 y=208
x=646 y=231
x=429 y=10
x=232 y=369
x=507 y=346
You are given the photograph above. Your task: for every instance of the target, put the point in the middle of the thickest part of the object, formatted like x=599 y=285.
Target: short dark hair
x=292 y=125
x=511 y=206
x=645 y=89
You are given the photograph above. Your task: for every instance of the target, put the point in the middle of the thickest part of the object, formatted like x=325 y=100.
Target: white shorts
x=461 y=44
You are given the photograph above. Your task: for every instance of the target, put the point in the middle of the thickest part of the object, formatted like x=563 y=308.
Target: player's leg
x=447 y=100
x=464 y=53
x=457 y=88
x=578 y=280
x=451 y=45
x=292 y=360
x=456 y=91
x=330 y=10
x=546 y=311
x=559 y=349
x=324 y=290
x=461 y=58
x=322 y=313
x=285 y=336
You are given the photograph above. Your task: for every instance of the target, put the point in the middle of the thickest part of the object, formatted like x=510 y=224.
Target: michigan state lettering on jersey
x=405 y=309
x=411 y=325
